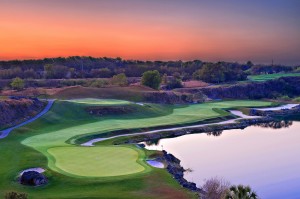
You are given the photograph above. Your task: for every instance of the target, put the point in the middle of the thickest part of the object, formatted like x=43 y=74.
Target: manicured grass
x=103 y=102
x=44 y=144
x=180 y=115
x=97 y=161
x=266 y=77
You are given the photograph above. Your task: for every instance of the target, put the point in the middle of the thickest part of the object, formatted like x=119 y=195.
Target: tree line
x=89 y=67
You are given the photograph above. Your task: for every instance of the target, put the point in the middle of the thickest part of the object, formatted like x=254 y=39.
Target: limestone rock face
x=17 y=109
x=33 y=178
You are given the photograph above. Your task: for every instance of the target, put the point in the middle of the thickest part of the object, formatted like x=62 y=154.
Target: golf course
x=266 y=77
x=109 y=171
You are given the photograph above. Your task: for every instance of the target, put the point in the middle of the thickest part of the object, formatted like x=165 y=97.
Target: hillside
x=14 y=111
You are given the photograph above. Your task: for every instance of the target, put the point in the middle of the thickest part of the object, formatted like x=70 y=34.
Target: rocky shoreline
x=272 y=113
x=177 y=171
x=240 y=124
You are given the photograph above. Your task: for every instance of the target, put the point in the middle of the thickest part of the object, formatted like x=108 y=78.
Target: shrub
x=15 y=195
x=151 y=79
x=297 y=99
x=120 y=80
x=241 y=191
x=100 y=83
x=215 y=188
x=17 y=83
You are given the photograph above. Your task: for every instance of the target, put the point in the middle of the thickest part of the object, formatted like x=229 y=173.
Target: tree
x=120 y=80
x=151 y=79
x=55 y=71
x=215 y=188
x=240 y=191
x=17 y=83
x=210 y=72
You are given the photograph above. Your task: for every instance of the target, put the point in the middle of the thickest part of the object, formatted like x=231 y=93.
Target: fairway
x=97 y=161
x=260 y=78
x=73 y=159
x=49 y=143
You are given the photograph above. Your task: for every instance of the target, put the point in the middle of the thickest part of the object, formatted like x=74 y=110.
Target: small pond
x=266 y=157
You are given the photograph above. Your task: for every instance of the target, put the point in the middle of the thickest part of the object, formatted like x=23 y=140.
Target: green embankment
x=106 y=171
x=260 y=78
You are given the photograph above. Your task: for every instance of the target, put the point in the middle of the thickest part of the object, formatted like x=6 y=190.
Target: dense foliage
x=89 y=67
x=240 y=191
x=151 y=79
x=219 y=72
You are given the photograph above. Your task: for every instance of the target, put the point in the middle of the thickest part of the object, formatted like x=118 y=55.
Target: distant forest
x=89 y=67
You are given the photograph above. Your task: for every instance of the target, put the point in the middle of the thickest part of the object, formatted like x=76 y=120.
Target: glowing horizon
x=157 y=30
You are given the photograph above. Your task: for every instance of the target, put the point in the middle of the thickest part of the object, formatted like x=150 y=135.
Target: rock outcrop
x=33 y=178
x=177 y=171
x=170 y=97
x=18 y=109
x=270 y=113
x=110 y=110
x=252 y=90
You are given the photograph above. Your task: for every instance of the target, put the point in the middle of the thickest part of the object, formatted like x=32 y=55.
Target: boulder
x=33 y=178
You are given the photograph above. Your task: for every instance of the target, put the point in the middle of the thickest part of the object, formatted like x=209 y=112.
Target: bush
x=120 y=80
x=15 y=195
x=241 y=191
x=17 y=83
x=297 y=99
x=215 y=188
x=152 y=79
x=174 y=83
x=100 y=83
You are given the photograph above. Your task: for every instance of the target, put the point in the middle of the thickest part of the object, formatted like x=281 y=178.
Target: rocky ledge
x=17 y=109
x=177 y=171
x=271 y=113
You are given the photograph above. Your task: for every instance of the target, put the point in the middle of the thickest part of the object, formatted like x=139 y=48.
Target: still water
x=265 y=158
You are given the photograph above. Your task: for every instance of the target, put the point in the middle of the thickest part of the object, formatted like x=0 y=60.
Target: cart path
x=234 y=112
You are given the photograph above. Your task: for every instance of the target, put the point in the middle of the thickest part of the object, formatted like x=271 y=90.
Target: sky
x=209 y=30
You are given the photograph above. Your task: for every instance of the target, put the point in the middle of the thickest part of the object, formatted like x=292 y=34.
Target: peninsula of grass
x=104 y=171
x=266 y=77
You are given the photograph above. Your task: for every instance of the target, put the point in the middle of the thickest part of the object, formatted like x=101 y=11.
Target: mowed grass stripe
x=97 y=161
x=92 y=101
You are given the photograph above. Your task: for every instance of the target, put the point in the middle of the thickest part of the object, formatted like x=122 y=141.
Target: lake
x=265 y=158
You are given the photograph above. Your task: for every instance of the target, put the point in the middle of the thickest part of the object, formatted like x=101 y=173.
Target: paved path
x=6 y=132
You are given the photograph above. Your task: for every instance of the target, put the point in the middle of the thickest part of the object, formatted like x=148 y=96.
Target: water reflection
x=253 y=156
x=214 y=133
x=278 y=124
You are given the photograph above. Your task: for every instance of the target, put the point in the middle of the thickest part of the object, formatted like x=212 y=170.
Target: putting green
x=97 y=161
x=66 y=121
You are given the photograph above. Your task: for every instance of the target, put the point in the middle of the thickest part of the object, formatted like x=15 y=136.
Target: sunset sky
x=210 y=30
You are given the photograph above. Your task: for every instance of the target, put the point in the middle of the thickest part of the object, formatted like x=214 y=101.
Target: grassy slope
x=260 y=78
x=132 y=93
x=68 y=119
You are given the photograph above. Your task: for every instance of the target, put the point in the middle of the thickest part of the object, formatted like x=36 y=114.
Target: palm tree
x=241 y=192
